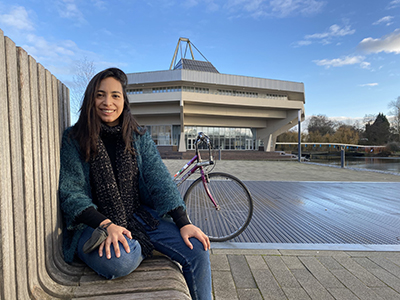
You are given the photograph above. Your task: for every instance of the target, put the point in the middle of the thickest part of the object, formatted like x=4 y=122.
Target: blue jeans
x=167 y=240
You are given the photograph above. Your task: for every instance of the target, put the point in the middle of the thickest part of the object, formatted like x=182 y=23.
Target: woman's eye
x=99 y=95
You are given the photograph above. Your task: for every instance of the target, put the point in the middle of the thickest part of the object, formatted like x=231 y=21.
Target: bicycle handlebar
x=202 y=137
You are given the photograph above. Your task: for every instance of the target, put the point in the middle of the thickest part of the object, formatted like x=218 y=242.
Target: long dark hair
x=86 y=131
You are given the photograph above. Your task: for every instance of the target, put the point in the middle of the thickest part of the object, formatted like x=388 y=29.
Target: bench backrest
x=34 y=111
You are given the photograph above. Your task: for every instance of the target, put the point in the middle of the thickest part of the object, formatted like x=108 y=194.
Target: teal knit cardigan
x=156 y=188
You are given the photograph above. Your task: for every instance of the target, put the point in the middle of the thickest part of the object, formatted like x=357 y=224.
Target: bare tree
x=84 y=71
x=321 y=124
x=394 y=106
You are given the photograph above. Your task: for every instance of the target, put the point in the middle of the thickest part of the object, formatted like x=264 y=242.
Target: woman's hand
x=189 y=231
x=115 y=234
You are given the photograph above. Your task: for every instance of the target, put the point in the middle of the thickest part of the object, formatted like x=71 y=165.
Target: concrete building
x=237 y=112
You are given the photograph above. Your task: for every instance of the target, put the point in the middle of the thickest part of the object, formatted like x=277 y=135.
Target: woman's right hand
x=115 y=234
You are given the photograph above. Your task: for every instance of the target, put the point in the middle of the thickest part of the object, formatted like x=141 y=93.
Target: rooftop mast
x=179 y=46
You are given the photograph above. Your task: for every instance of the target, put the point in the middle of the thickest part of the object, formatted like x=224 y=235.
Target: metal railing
x=340 y=146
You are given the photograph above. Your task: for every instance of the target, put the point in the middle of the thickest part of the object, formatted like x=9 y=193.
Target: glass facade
x=161 y=134
x=223 y=138
x=165 y=135
x=176 y=134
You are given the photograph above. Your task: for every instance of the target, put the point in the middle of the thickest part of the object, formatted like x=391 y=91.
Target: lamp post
x=342 y=157
x=299 y=135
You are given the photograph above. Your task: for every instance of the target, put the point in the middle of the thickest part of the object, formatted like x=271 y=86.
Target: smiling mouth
x=107 y=111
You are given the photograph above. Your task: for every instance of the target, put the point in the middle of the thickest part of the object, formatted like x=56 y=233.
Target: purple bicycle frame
x=198 y=165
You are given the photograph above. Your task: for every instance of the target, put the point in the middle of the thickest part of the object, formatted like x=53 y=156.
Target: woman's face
x=109 y=99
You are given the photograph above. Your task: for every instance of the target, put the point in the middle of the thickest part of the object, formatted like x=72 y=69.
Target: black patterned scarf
x=118 y=194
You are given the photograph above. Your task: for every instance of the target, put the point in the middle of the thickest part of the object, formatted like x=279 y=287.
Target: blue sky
x=347 y=53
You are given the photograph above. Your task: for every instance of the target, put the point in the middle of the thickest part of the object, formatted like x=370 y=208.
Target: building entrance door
x=191 y=143
x=249 y=144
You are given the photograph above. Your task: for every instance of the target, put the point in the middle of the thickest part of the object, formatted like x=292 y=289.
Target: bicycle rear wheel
x=234 y=200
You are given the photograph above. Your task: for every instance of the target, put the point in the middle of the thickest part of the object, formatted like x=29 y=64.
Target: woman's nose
x=108 y=100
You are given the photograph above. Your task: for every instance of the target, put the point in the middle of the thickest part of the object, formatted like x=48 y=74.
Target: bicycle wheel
x=234 y=200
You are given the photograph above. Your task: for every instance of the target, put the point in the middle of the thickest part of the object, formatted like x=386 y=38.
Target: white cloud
x=40 y=48
x=333 y=31
x=347 y=120
x=326 y=37
x=208 y=4
x=275 y=8
x=389 y=43
x=190 y=3
x=365 y=65
x=254 y=7
x=57 y=53
x=18 y=19
x=100 y=4
x=369 y=84
x=69 y=10
x=339 y=62
x=211 y=6
x=288 y=7
x=386 y=20
x=301 y=43
x=393 y=4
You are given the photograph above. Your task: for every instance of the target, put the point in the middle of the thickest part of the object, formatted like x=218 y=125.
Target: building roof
x=195 y=65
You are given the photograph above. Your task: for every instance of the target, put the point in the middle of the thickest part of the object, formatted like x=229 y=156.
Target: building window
x=237 y=93
x=161 y=134
x=276 y=96
x=196 y=89
x=134 y=91
x=176 y=133
x=167 y=89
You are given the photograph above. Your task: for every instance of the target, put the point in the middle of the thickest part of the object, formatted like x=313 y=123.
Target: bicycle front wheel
x=234 y=201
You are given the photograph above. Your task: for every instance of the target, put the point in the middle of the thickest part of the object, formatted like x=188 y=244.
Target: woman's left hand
x=189 y=231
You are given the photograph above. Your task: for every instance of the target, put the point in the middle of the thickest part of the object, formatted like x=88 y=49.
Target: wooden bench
x=34 y=112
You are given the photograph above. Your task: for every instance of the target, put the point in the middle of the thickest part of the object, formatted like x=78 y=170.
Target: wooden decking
x=324 y=213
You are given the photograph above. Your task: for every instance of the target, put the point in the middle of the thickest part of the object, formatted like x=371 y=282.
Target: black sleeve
x=180 y=217
x=91 y=217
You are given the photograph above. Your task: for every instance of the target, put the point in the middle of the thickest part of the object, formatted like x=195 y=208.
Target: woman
x=112 y=177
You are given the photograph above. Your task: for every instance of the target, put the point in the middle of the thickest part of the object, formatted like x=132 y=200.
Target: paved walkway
x=304 y=271
x=302 y=274
x=290 y=171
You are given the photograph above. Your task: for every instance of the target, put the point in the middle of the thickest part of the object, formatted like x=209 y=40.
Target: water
x=388 y=164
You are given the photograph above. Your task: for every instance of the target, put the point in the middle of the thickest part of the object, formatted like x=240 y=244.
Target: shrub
x=392 y=147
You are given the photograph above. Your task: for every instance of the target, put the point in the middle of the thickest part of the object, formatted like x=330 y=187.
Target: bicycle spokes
x=234 y=202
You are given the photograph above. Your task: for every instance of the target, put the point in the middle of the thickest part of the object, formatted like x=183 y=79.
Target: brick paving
x=305 y=274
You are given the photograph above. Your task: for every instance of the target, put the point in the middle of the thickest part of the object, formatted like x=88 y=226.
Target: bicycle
x=218 y=203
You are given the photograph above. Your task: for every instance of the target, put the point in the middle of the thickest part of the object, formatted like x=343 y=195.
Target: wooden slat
x=158 y=274
x=27 y=223
x=45 y=107
x=46 y=268
x=41 y=165
x=33 y=230
x=16 y=166
x=54 y=158
x=8 y=284
x=49 y=191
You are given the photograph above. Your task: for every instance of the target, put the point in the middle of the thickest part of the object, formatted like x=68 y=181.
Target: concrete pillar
x=182 y=144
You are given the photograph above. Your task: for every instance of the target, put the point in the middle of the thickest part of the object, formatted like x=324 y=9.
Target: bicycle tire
x=234 y=200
